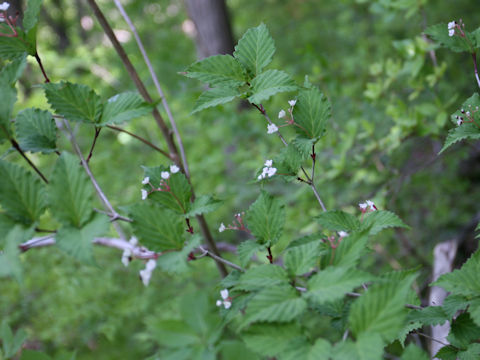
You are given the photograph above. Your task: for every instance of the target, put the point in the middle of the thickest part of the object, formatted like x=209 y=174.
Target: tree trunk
x=213 y=28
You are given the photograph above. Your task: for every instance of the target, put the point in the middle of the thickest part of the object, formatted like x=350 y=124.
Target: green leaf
x=369 y=346
x=431 y=315
x=11 y=343
x=378 y=220
x=280 y=303
x=350 y=250
x=456 y=43
x=176 y=262
x=304 y=145
x=8 y=94
x=270 y=83
x=174 y=334
x=11 y=72
x=74 y=101
x=32 y=12
x=157 y=228
x=302 y=258
x=77 y=242
x=288 y=161
x=333 y=283
x=464 y=131
x=218 y=71
x=381 y=309
x=262 y=276
x=36 y=131
x=338 y=220
x=447 y=353
x=202 y=205
x=472 y=352
x=255 y=49
x=214 y=97
x=454 y=303
x=413 y=352
x=246 y=250
x=34 y=355
x=265 y=219
x=321 y=350
x=178 y=197
x=9 y=256
x=270 y=339
x=70 y=192
x=124 y=107
x=12 y=48
x=402 y=336
x=21 y=193
x=463 y=331
x=311 y=113
x=474 y=310
x=235 y=350
x=464 y=281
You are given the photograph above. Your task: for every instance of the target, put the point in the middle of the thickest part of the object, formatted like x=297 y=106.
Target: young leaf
x=75 y=102
x=461 y=132
x=12 y=71
x=265 y=218
x=261 y=276
x=255 y=49
x=70 y=192
x=304 y=145
x=202 y=205
x=30 y=17
x=36 y=131
x=222 y=71
x=270 y=83
x=270 y=339
x=279 y=303
x=214 y=97
x=333 y=283
x=338 y=221
x=124 y=107
x=8 y=94
x=456 y=43
x=156 y=228
x=311 y=113
x=77 y=242
x=21 y=193
x=378 y=220
x=246 y=250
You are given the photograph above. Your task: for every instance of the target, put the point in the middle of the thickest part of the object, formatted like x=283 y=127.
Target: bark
x=213 y=28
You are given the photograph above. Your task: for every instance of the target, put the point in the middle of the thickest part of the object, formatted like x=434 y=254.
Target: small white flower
x=451 y=32
x=269 y=163
x=451 y=25
x=146 y=273
x=292 y=102
x=4 y=6
x=272 y=128
x=224 y=294
x=468 y=113
x=151 y=264
x=144 y=194
x=260 y=177
x=363 y=206
x=459 y=122
x=282 y=114
x=126 y=257
x=271 y=171
x=222 y=228
x=227 y=304
x=146 y=180
x=165 y=175
x=174 y=169
x=133 y=241
x=342 y=234
x=372 y=205
x=219 y=303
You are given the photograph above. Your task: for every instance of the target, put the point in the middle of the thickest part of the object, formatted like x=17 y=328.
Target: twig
x=39 y=61
x=474 y=57
x=157 y=86
x=205 y=252
x=90 y=153
x=113 y=217
x=431 y=338
x=32 y=165
x=145 y=141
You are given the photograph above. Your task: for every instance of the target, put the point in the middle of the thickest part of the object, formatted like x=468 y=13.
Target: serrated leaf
x=70 y=192
x=321 y=350
x=270 y=339
x=30 y=17
x=174 y=334
x=350 y=250
x=8 y=94
x=378 y=220
x=36 y=131
x=298 y=348
x=218 y=71
x=381 y=309
x=265 y=219
x=288 y=162
x=12 y=48
x=463 y=331
x=262 y=276
x=177 y=198
x=456 y=43
x=402 y=336
x=246 y=250
x=333 y=283
x=474 y=310
x=280 y=303
x=304 y=145
x=454 y=303
x=77 y=242
x=338 y=220
x=447 y=353
x=270 y=83
x=157 y=228
x=431 y=315
x=464 y=131
x=464 y=281
x=301 y=259
x=11 y=72
x=124 y=107
x=311 y=113
x=413 y=352
x=202 y=205
x=369 y=346
x=9 y=255
x=472 y=352
x=176 y=262
x=74 y=101
x=21 y=194
x=214 y=97
x=255 y=49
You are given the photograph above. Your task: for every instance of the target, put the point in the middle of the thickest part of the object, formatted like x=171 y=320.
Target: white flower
x=165 y=175
x=260 y=177
x=342 y=234
x=451 y=25
x=459 y=122
x=174 y=169
x=222 y=228
x=146 y=273
x=126 y=257
x=224 y=294
x=468 y=113
x=451 y=32
x=151 y=264
x=292 y=102
x=272 y=128
x=372 y=205
x=226 y=302
x=269 y=163
x=219 y=303
x=363 y=206
x=281 y=114
x=271 y=171
x=4 y=6
x=146 y=180
x=144 y=194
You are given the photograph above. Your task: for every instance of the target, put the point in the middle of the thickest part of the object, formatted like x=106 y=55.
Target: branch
x=205 y=252
x=474 y=57
x=32 y=165
x=95 y=137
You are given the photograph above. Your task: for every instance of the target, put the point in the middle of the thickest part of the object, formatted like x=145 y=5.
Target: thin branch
x=145 y=141
x=157 y=86
x=431 y=338
x=113 y=217
x=39 y=61
x=205 y=252
x=90 y=153
x=474 y=57
x=32 y=165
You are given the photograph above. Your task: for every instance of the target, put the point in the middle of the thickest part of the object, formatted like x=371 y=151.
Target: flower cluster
x=4 y=6
x=268 y=170
x=342 y=234
x=146 y=273
x=238 y=224
x=127 y=253
x=468 y=114
x=226 y=299
x=272 y=127
x=367 y=205
x=165 y=175
x=451 y=28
